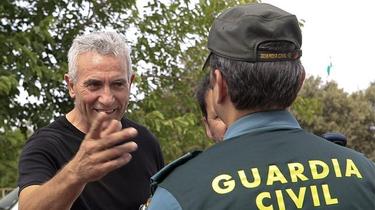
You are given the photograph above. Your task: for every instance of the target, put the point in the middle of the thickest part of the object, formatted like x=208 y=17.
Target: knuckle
x=117 y=151
x=88 y=147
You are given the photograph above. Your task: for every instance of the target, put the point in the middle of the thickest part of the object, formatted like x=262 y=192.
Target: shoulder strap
x=164 y=172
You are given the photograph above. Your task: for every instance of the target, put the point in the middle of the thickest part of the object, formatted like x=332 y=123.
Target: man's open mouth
x=107 y=111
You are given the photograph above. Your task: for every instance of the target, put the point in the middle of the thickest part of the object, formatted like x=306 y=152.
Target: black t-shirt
x=51 y=147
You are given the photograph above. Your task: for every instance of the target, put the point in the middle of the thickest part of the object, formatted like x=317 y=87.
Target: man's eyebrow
x=92 y=81
x=119 y=80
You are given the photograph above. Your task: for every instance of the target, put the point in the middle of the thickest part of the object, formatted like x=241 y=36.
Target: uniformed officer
x=266 y=161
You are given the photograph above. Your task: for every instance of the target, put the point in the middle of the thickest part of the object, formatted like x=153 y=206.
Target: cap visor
x=206 y=63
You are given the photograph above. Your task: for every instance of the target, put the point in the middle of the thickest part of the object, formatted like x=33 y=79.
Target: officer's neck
x=231 y=114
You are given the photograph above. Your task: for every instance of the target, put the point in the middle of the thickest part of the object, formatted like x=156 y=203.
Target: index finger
x=95 y=129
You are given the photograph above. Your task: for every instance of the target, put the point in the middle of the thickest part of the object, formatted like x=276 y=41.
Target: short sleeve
x=37 y=163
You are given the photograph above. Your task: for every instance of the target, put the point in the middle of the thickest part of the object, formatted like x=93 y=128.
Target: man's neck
x=77 y=121
x=234 y=114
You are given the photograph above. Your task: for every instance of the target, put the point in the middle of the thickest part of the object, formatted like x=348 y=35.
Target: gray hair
x=104 y=43
x=260 y=85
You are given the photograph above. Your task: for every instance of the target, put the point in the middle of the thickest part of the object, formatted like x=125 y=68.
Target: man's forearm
x=58 y=193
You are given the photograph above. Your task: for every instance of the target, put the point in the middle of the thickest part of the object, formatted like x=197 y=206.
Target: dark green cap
x=237 y=32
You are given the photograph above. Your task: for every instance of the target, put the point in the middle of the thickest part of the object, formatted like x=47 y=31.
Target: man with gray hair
x=266 y=160
x=93 y=157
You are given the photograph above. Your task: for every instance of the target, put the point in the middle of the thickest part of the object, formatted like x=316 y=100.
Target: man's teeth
x=106 y=111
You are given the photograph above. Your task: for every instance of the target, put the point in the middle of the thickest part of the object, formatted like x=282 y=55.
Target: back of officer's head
x=257 y=48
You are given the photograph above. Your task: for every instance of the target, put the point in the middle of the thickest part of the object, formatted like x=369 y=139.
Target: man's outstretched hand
x=105 y=148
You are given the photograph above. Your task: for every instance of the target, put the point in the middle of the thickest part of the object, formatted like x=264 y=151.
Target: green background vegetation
x=168 y=49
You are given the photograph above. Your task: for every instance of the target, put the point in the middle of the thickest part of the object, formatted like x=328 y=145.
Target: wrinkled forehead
x=99 y=61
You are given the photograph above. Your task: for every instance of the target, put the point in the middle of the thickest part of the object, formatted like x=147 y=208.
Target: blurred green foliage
x=168 y=42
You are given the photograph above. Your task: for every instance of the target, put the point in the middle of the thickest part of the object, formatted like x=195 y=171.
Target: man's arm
x=58 y=193
x=101 y=152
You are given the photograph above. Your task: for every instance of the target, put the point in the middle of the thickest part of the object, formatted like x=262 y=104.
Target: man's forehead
x=95 y=58
x=103 y=76
x=94 y=64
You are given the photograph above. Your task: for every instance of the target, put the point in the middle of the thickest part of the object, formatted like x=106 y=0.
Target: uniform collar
x=261 y=121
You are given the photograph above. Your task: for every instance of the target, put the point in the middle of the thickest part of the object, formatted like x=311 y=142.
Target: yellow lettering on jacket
x=315 y=196
x=275 y=175
x=280 y=200
x=297 y=200
x=244 y=180
x=351 y=169
x=287 y=183
x=266 y=200
x=336 y=167
x=314 y=169
x=296 y=172
x=259 y=201
x=226 y=181
x=327 y=195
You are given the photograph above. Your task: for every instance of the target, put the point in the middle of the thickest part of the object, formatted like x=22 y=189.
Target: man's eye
x=119 y=84
x=93 y=85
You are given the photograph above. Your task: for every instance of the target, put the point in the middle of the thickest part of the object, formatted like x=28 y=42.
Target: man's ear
x=220 y=86
x=132 y=77
x=70 y=85
x=301 y=80
x=207 y=128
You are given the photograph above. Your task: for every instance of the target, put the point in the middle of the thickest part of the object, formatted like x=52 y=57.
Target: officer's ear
x=301 y=80
x=220 y=88
x=207 y=128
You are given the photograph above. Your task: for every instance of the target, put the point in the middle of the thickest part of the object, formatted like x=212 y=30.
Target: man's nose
x=106 y=97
